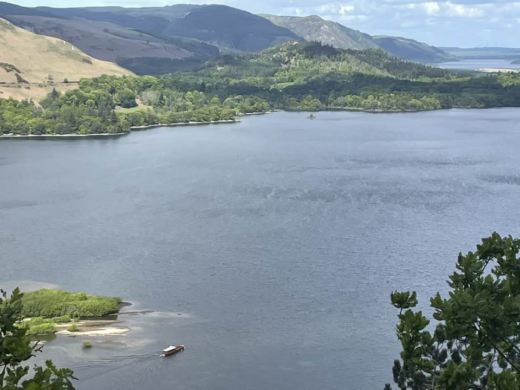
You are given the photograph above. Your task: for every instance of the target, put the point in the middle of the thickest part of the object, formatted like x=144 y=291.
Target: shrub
x=72 y=328
x=48 y=303
x=61 y=319
x=87 y=344
x=45 y=328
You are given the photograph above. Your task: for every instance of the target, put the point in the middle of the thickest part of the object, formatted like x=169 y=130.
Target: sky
x=463 y=23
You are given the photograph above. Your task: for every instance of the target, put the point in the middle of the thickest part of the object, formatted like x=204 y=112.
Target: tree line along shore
x=291 y=76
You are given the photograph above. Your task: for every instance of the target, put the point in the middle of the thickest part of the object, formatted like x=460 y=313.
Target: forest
x=291 y=76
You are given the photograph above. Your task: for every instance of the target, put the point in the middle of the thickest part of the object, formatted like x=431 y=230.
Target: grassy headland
x=45 y=308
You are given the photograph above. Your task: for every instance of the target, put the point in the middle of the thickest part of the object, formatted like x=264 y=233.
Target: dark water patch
x=15 y=204
x=502 y=179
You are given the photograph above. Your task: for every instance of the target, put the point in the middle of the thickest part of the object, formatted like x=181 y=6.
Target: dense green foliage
x=298 y=76
x=91 y=110
x=292 y=76
x=16 y=349
x=39 y=326
x=48 y=303
x=475 y=343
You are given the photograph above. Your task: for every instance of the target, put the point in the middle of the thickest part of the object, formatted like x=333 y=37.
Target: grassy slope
x=38 y=56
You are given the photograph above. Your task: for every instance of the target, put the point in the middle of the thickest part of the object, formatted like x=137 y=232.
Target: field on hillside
x=35 y=92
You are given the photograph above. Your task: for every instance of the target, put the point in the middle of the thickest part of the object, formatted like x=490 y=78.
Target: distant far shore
x=499 y=70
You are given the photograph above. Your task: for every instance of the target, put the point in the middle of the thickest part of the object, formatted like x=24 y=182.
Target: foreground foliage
x=16 y=349
x=49 y=303
x=292 y=76
x=475 y=343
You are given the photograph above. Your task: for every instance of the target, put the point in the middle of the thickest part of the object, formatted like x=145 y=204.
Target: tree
x=475 y=343
x=16 y=348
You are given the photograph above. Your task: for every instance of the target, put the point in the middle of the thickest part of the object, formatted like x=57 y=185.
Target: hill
x=314 y=28
x=27 y=58
x=413 y=50
x=138 y=51
x=312 y=76
x=230 y=29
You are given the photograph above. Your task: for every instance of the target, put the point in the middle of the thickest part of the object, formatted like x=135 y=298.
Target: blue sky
x=465 y=23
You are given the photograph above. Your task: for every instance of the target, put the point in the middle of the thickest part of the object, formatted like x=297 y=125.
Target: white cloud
x=463 y=11
x=432 y=8
x=346 y=8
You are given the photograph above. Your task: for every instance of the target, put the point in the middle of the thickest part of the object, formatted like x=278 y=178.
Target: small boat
x=172 y=350
x=311 y=117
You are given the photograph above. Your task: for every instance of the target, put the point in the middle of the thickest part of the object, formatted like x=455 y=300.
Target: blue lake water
x=278 y=239
x=479 y=64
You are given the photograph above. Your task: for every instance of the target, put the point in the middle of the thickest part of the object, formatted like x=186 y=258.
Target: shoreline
x=147 y=127
x=133 y=128
x=144 y=127
x=72 y=135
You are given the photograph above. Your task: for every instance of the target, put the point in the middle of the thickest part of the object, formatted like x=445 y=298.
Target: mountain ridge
x=315 y=28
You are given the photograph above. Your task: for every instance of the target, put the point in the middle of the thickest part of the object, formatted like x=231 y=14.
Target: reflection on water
x=279 y=239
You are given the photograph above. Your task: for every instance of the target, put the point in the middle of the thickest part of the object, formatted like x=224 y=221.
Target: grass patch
x=140 y=108
x=50 y=303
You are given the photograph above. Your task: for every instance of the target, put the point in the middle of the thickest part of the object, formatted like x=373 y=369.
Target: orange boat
x=172 y=350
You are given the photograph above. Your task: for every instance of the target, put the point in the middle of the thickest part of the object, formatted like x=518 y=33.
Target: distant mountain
x=484 y=53
x=413 y=50
x=153 y=20
x=315 y=29
x=159 y=40
x=29 y=63
x=13 y=9
x=230 y=29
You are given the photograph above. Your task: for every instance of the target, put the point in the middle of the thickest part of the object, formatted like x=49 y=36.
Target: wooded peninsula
x=291 y=76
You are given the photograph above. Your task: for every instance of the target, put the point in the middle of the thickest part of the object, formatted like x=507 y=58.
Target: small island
x=48 y=311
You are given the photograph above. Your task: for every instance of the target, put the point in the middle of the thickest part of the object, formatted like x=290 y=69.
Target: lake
x=479 y=64
x=278 y=239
